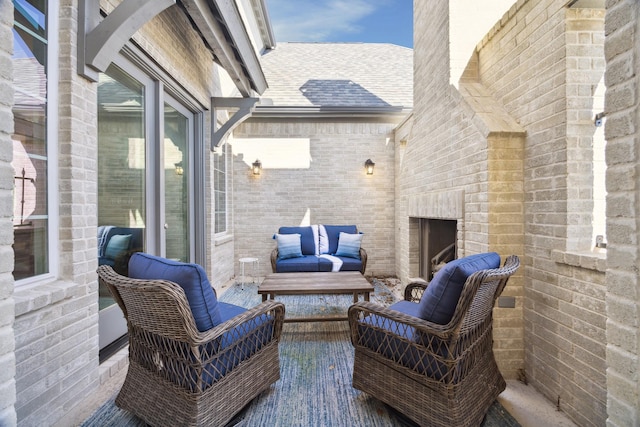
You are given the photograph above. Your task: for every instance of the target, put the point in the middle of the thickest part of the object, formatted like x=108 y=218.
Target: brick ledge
x=589 y=260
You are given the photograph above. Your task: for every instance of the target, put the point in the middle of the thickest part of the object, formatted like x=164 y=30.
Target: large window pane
x=121 y=165
x=30 y=212
x=220 y=188
x=176 y=173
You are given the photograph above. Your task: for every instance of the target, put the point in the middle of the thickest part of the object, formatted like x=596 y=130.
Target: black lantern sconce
x=256 y=167
x=179 y=168
x=368 y=166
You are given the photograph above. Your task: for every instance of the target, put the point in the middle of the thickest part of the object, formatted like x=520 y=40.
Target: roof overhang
x=391 y=113
x=222 y=27
x=218 y=21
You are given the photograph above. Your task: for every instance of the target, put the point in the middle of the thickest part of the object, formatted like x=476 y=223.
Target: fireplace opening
x=437 y=242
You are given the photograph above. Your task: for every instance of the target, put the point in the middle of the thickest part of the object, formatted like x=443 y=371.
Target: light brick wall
x=541 y=64
x=459 y=146
x=325 y=184
x=56 y=324
x=622 y=131
x=7 y=341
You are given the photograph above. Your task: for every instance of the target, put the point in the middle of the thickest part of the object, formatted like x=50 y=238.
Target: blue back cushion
x=191 y=277
x=307 y=241
x=333 y=234
x=439 y=301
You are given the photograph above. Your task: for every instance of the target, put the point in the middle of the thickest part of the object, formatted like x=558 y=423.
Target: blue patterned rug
x=316 y=367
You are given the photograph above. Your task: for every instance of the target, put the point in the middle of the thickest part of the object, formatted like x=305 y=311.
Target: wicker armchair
x=178 y=375
x=437 y=375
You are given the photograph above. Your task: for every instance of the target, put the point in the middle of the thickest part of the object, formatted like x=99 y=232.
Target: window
x=220 y=163
x=33 y=137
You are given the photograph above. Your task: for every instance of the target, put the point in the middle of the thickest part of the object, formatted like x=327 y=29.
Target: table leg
x=366 y=296
x=264 y=297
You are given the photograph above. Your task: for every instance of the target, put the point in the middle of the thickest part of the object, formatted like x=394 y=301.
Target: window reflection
x=121 y=170
x=30 y=213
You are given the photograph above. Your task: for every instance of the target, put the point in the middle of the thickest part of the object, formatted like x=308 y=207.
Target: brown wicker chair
x=437 y=375
x=180 y=376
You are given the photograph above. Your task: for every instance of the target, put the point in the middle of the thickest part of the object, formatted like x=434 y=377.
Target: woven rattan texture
x=437 y=375
x=180 y=376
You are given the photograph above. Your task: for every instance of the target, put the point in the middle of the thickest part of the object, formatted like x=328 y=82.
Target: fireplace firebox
x=437 y=242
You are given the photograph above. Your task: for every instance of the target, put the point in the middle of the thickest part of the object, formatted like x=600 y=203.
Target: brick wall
x=306 y=187
x=538 y=68
x=7 y=341
x=544 y=65
x=622 y=131
x=462 y=145
x=56 y=324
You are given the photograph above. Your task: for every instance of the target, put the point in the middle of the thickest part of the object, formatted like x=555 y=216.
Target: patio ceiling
x=218 y=21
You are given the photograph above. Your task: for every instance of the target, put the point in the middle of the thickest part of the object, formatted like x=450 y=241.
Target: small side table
x=256 y=269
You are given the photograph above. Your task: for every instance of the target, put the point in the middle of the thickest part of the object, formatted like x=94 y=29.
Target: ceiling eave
x=393 y=114
x=220 y=24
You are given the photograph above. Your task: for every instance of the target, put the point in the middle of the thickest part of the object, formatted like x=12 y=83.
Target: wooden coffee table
x=348 y=282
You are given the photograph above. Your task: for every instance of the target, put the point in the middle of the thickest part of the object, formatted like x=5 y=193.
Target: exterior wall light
x=179 y=168
x=256 y=167
x=368 y=166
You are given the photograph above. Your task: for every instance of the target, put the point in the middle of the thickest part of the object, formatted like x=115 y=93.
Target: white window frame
x=52 y=119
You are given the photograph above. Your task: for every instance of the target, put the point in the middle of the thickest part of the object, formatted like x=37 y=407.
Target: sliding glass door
x=145 y=178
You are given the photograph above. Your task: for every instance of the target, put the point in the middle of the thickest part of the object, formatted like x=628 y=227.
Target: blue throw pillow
x=308 y=241
x=288 y=246
x=117 y=244
x=349 y=245
x=439 y=301
x=333 y=234
x=191 y=277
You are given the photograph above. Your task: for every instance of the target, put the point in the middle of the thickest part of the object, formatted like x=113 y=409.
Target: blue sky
x=374 y=21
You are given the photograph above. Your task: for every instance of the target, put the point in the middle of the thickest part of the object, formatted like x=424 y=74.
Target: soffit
x=218 y=21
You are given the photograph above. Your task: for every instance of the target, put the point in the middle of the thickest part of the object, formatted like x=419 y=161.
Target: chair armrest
x=414 y=290
x=362 y=309
x=275 y=309
x=363 y=258
x=274 y=259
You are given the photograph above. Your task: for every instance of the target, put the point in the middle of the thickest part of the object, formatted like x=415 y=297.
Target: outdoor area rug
x=315 y=374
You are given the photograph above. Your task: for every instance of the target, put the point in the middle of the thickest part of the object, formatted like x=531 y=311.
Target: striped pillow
x=349 y=245
x=288 y=246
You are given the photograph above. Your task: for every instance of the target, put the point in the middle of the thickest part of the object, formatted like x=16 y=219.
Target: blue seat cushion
x=348 y=264
x=307 y=239
x=292 y=265
x=333 y=235
x=191 y=277
x=439 y=301
x=396 y=340
x=237 y=344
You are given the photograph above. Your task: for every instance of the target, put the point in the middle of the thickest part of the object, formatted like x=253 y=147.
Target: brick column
x=622 y=131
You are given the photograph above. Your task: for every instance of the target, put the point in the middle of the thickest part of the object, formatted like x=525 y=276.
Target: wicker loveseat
x=438 y=372
x=193 y=361
x=318 y=247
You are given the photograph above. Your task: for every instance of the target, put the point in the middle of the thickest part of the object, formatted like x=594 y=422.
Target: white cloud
x=314 y=20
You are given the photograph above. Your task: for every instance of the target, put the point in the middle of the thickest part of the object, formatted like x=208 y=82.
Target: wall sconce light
x=368 y=166
x=179 y=168
x=256 y=167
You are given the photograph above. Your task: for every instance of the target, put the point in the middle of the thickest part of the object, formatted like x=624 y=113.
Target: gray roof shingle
x=339 y=75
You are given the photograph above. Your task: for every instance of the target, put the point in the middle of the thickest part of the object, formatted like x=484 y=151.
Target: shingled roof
x=339 y=75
